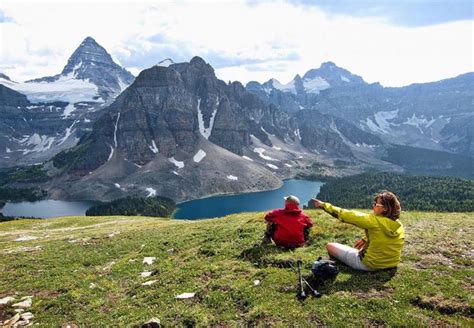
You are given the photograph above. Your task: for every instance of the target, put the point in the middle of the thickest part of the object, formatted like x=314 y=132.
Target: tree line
x=135 y=206
x=424 y=193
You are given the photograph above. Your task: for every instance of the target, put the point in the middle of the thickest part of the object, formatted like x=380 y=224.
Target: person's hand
x=360 y=244
x=316 y=202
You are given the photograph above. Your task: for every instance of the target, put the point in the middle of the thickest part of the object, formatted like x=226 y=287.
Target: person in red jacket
x=288 y=227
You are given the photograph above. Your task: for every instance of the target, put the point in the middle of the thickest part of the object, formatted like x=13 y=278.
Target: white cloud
x=45 y=34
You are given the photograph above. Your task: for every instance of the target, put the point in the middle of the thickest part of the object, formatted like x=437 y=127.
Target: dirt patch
x=444 y=306
x=49 y=294
x=430 y=260
x=374 y=293
x=315 y=321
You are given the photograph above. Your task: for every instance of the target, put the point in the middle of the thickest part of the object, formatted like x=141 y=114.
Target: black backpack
x=324 y=270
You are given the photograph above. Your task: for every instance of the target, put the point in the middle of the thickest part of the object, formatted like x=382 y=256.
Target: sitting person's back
x=289 y=226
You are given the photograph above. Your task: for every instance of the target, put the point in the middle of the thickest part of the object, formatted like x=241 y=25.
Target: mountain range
x=177 y=130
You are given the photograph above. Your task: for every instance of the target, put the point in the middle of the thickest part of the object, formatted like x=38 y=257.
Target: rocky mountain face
x=58 y=110
x=168 y=109
x=32 y=133
x=434 y=115
x=180 y=122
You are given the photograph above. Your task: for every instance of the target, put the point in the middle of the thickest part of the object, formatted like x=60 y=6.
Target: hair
x=390 y=202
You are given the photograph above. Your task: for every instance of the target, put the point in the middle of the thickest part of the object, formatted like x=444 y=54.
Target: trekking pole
x=301 y=294
x=300 y=277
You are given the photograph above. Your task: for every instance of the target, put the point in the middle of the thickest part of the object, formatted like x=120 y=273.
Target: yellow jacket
x=384 y=236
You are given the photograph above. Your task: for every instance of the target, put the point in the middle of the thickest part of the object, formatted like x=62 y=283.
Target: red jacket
x=290 y=224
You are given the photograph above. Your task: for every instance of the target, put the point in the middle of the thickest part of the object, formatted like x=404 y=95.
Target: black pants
x=271 y=228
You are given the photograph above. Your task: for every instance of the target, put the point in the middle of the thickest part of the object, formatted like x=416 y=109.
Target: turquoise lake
x=210 y=207
x=217 y=206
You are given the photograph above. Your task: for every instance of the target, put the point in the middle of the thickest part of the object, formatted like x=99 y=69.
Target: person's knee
x=331 y=248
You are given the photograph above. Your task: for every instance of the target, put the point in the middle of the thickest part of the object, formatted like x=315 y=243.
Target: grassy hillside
x=86 y=271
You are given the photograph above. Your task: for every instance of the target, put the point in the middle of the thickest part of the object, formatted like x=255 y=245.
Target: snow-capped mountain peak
x=85 y=57
x=332 y=74
x=89 y=75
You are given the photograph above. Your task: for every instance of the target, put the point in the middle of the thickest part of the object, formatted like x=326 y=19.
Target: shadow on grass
x=359 y=281
x=264 y=256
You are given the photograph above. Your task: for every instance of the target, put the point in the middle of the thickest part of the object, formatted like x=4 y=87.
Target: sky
x=395 y=43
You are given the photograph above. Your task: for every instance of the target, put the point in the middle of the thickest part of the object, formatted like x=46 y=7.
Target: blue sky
x=410 y=13
x=392 y=42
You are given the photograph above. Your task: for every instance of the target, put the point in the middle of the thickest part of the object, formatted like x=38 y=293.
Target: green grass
x=219 y=260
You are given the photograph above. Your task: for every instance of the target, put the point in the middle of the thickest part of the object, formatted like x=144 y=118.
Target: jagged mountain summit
x=313 y=81
x=91 y=62
x=89 y=75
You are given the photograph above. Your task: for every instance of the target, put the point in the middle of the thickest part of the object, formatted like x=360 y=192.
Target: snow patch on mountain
x=365 y=145
x=68 y=110
x=315 y=85
x=40 y=143
x=199 y=156
x=272 y=166
x=419 y=122
x=153 y=147
x=65 y=88
x=290 y=87
x=260 y=152
x=67 y=133
x=297 y=134
x=111 y=153
x=115 y=130
x=205 y=132
x=381 y=124
x=232 y=177
x=178 y=164
x=151 y=192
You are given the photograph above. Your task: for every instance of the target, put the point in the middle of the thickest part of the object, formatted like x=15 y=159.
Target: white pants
x=347 y=255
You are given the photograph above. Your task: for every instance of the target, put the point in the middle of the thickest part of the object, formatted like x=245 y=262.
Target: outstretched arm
x=359 y=219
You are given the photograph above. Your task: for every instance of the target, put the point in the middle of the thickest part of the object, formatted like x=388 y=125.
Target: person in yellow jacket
x=384 y=234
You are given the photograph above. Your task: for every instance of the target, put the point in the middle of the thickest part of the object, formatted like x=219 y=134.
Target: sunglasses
x=376 y=205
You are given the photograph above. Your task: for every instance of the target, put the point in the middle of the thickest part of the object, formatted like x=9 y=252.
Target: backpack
x=324 y=270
